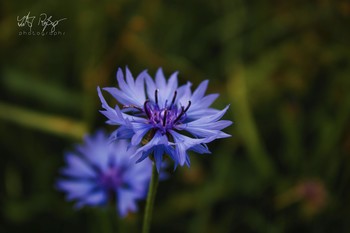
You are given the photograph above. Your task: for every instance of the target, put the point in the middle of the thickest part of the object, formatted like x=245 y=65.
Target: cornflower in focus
x=162 y=117
x=99 y=173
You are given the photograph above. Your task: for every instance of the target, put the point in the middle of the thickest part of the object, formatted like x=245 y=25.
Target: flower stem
x=150 y=200
x=114 y=219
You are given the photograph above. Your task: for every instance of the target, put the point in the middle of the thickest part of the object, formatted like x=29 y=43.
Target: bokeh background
x=282 y=65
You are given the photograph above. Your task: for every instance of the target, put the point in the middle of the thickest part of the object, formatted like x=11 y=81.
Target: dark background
x=282 y=65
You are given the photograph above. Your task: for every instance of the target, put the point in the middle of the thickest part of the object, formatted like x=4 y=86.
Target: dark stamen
x=180 y=115
x=147 y=109
x=156 y=96
x=174 y=98
x=188 y=106
x=164 y=117
x=183 y=111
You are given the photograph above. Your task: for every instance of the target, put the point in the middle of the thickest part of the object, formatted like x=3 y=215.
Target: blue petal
x=123 y=132
x=200 y=132
x=200 y=107
x=201 y=149
x=126 y=201
x=150 y=87
x=158 y=139
x=171 y=86
x=200 y=91
x=138 y=176
x=140 y=131
x=184 y=94
x=121 y=96
x=94 y=199
x=208 y=126
x=75 y=189
x=172 y=83
x=160 y=79
x=169 y=150
x=131 y=92
x=115 y=116
x=129 y=78
x=158 y=157
x=188 y=162
x=79 y=165
x=144 y=155
x=94 y=149
x=120 y=153
x=183 y=143
x=165 y=89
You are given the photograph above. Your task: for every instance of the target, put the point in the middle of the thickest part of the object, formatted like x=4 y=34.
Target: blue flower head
x=163 y=117
x=100 y=172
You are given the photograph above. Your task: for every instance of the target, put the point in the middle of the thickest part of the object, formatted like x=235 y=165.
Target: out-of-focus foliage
x=284 y=66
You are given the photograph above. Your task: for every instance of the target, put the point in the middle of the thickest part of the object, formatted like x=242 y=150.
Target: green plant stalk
x=115 y=222
x=150 y=200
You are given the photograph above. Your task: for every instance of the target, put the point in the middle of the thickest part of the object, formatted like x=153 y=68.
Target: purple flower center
x=111 y=179
x=164 y=119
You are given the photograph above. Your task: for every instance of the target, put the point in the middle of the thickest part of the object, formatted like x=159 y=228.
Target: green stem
x=150 y=200
x=114 y=219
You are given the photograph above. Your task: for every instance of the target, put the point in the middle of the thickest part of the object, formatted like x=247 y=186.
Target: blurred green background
x=283 y=66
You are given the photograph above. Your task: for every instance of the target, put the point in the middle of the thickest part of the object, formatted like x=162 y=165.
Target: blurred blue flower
x=163 y=117
x=100 y=172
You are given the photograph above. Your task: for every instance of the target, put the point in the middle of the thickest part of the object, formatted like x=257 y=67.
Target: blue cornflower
x=163 y=117
x=100 y=172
